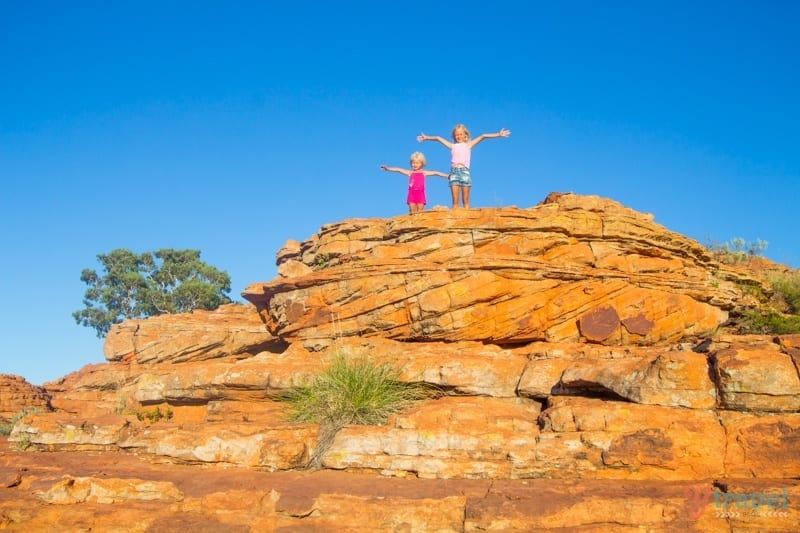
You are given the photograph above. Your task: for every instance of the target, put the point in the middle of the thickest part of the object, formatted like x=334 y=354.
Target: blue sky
x=230 y=127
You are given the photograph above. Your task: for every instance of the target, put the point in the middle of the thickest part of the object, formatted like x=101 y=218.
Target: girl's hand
x=504 y=133
x=383 y=167
x=421 y=137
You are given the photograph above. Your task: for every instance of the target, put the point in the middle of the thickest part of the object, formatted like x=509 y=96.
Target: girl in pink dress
x=416 y=181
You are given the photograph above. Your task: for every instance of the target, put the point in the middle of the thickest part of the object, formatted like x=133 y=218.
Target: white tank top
x=459 y=154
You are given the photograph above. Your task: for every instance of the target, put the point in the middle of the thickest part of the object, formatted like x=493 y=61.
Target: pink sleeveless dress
x=416 y=188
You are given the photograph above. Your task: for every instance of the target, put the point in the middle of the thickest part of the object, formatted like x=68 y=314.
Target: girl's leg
x=465 y=196
x=454 y=194
x=415 y=208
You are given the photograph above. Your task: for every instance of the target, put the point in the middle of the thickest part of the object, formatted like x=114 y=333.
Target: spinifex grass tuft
x=354 y=390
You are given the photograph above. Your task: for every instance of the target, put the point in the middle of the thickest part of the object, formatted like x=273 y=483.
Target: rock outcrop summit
x=580 y=269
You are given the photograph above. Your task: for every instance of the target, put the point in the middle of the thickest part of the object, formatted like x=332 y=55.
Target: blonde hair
x=459 y=127
x=419 y=156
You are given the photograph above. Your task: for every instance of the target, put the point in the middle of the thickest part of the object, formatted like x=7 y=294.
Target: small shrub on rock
x=781 y=315
x=354 y=390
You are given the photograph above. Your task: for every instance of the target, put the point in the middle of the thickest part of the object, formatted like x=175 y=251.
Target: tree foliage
x=152 y=283
x=737 y=250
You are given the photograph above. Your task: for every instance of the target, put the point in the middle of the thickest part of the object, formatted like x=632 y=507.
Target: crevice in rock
x=702 y=346
x=587 y=389
x=440 y=391
x=182 y=402
x=311 y=513
x=713 y=375
x=512 y=345
x=276 y=346
x=793 y=354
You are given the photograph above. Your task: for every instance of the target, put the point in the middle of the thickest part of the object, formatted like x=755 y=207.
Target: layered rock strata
x=579 y=348
x=581 y=269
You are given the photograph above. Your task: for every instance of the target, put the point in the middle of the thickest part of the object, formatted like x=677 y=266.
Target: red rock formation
x=576 y=269
x=17 y=395
x=587 y=384
x=231 y=329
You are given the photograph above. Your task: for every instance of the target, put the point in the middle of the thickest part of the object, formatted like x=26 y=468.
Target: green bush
x=7 y=427
x=353 y=390
x=322 y=261
x=154 y=415
x=770 y=323
x=781 y=315
x=787 y=291
x=737 y=250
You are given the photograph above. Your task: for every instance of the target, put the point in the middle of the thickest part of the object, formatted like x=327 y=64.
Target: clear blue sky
x=233 y=126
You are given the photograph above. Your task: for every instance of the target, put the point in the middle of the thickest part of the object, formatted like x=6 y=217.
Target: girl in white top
x=460 y=151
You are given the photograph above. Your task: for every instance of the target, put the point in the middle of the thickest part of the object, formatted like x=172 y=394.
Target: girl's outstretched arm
x=436 y=173
x=395 y=169
x=502 y=133
x=422 y=137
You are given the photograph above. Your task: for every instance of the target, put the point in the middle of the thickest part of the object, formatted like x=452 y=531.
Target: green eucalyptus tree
x=135 y=285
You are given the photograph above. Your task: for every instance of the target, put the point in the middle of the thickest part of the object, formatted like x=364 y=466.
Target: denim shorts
x=460 y=176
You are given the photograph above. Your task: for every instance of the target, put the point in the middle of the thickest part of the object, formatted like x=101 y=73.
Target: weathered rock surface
x=585 y=383
x=104 y=491
x=582 y=268
x=17 y=395
x=232 y=329
x=757 y=378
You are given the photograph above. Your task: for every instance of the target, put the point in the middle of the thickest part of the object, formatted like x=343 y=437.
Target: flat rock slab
x=239 y=499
